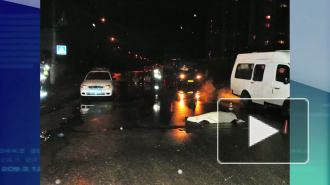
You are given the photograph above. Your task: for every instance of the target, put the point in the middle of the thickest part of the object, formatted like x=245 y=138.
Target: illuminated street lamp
x=112 y=39
x=103 y=19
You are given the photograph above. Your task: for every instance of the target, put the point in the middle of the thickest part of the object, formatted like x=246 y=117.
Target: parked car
x=98 y=82
x=262 y=75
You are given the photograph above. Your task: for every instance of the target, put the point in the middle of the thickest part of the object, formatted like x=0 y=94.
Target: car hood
x=97 y=82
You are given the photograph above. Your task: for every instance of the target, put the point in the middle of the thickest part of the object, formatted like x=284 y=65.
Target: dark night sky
x=150 y=28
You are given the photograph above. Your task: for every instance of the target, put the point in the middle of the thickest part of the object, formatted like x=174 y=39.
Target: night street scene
x=139 y=92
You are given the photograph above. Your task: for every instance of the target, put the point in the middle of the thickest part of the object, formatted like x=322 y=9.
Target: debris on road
x=228 y=178
x=44 y=135
x=57 y=181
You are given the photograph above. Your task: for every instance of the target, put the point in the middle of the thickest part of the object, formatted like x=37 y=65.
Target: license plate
x=190 y=80
x=95 y=91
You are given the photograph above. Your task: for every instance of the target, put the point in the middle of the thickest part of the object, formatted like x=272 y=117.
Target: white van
x=262 y=75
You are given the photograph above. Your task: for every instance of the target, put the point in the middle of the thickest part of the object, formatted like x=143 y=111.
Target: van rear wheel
x=246 y=103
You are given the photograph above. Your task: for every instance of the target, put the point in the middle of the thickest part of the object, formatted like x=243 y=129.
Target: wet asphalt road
x=139 y=137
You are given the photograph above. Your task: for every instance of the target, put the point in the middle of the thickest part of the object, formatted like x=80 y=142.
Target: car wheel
x=246 y=103
x=246 y=95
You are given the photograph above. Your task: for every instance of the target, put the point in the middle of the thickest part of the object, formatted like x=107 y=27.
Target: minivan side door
x=281 y=83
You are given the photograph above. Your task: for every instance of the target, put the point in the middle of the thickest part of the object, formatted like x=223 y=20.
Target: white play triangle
x=259 y=131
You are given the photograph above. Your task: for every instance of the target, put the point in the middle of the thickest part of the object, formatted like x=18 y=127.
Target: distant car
x=191 y=78
x=98 y=82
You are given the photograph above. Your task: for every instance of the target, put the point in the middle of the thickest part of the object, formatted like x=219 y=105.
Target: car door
x=281 y=84
x=257 y=87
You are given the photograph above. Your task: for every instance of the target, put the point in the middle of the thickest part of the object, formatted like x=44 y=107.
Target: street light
x=112 y=39
x=103 y=19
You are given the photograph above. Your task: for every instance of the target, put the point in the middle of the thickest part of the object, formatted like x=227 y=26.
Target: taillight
x=198 y=76
x=182 y=76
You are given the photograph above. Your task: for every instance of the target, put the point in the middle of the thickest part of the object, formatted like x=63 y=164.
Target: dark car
x=190 y=78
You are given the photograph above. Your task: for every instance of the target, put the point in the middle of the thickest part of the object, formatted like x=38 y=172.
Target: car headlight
x=182 y=76
x=43 y=93
x=158 y=76
x=83 y=86
x=107 y=87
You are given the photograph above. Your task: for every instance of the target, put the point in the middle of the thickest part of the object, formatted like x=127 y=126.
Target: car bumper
x=101 y=92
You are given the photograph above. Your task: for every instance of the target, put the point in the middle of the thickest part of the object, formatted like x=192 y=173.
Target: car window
x=258 y=73
x=244 y=71
x=98 y=76
x=283 y=73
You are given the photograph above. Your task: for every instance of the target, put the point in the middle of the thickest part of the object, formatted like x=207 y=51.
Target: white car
x=98 y=82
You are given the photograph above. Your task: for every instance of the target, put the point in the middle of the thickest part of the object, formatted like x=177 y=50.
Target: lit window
x=266 y=42
x=281 y=41
x=267 y=16
x=283 y=5
x=267 y=25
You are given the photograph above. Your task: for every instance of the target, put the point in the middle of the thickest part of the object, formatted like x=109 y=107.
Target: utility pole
x=53 y=46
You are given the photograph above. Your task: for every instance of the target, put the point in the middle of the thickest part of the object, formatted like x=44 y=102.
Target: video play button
x=259 y=131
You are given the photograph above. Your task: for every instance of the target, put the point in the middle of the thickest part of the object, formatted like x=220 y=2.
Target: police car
x=98 y=82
